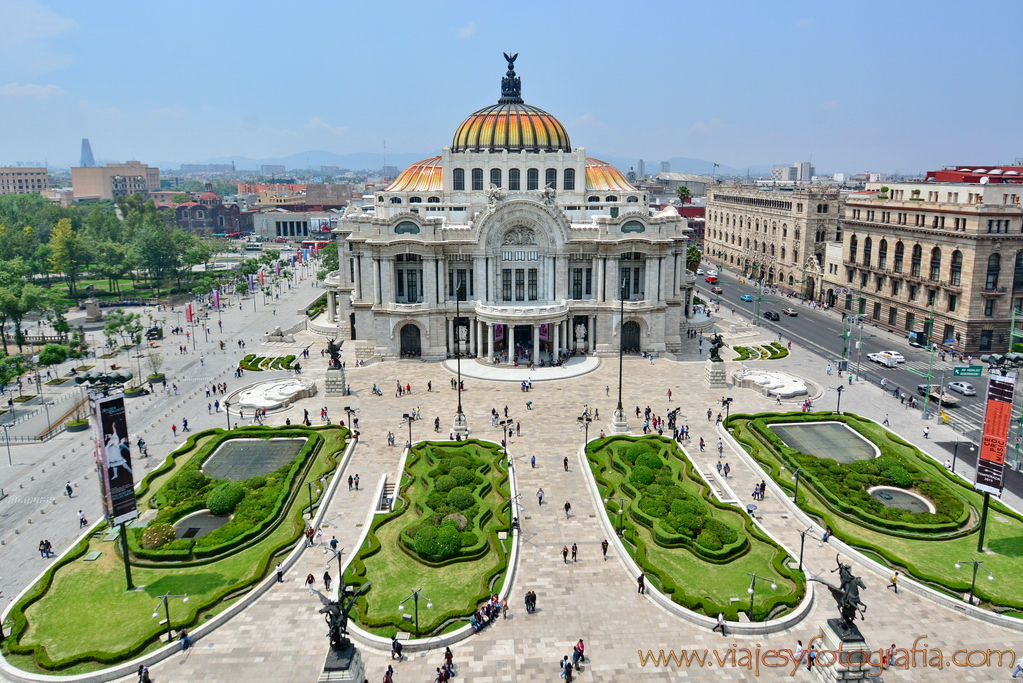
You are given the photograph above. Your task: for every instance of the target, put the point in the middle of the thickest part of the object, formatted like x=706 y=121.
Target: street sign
x=842 y=291
x=967 y=370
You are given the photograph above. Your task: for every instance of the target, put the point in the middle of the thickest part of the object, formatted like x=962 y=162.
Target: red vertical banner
x=997 y=420
x=188 y=313
x=262 y=278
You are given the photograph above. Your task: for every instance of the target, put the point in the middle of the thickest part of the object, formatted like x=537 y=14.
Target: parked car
x=746 y=297
x=964 y=388
x=899 y=358
x=699 y=271
x=791 y=312
x=716 y=290
x=771 y=315
x=936 y=395
x=281 y=240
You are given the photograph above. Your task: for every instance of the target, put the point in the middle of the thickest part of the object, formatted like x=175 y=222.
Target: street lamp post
x=506 y=429
x=414 y=597
x=808 y=531
x=7 y=440
x=621 y=510
x=753 y=587
x=955 y=452
x=410 y=418
x=310 y=485
x=165 y=598
x=227 y=412
x=461 y=425
x=340 y=572
x=840 y=388
x=726 y=403
x=977 y=564
x=584 y=422
x=795 y=475
x=620 y=423
x=348 y=411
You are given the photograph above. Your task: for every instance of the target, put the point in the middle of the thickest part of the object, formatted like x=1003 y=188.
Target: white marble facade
x=531 y=266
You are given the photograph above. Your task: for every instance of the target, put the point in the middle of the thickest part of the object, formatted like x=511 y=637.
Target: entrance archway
x=630 y=336
x=810 y=289
x=411 y=341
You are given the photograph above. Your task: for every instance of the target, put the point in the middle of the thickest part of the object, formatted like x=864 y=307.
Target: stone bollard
x=42 y=511
x=32 y=478
x=29 y=520
x=44 y=470
x=21 y=486
x=53 y=501
x=17 y=531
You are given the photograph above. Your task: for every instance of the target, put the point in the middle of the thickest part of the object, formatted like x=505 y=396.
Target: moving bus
x=236 y=235
x=315 y=245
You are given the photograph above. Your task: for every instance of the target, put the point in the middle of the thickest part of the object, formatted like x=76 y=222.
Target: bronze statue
x=337 y=623
x=716 y=342
x=334 y=350
x=847 y=595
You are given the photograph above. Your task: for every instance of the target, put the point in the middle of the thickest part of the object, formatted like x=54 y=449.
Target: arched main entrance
x=630 y=336
x=411 y=342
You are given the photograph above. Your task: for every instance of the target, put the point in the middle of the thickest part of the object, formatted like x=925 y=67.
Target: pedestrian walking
x=216 y=405
x=885 y=421
x=532 y=461
x=174 y=430
x=575 y=553
x=539 y=496
x=568 y=507
x=727 y=469
x=603 y=548
x=310 y=582
x=811 y=656
x=564 y=553
x=326 y=581
x=356 y=481
x=566 y=463
x=607 y=390
x=829 y=368
x=351 y=480
x=209 y=408
x=68 y=489
x=81 y=519
x=720 y=625
x=641 y=584
x=280 y=572
x=1019 y=668
x=927 y=432
x=333 y=543
x=184 y=425
x=895 y=582
x=669 y=395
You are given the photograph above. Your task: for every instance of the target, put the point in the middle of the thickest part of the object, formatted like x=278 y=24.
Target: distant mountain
x=678 y=165
x=313 y=159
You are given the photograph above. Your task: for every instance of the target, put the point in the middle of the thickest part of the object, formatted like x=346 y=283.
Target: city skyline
x=742 y=86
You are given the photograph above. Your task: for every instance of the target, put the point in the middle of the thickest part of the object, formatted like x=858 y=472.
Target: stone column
x=557 y=339
x=601 y=285
x=591 y=337
x=479 y=338
x=387 y=281
x=357 y=276
x=613 y=279
x=490 y=339
x=451 y=335
x=376 y=265
x=472 y=336
x=332 y=307
x=536 y=342
x=430 y=279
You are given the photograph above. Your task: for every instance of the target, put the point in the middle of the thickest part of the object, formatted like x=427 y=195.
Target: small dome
x=601 y=175
x=423 y=176
x=511 y=124
x=209 y=196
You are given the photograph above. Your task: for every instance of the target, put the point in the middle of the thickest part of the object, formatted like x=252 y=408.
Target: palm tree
x=693 y=258
x=683 y=194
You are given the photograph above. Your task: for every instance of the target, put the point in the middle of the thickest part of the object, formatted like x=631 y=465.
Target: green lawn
x=691 y=579
x=455 y=586
x=86 y=617
x=931 y=560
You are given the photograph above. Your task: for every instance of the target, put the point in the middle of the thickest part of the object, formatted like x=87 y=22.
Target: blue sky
x=903 y=86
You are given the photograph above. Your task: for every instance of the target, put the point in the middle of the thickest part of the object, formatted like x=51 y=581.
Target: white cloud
x=803 y=23
x=833 y=104
x=318 y=124
x=39 y=92
x=29 y=27
x=706 y=126
x=467 y=30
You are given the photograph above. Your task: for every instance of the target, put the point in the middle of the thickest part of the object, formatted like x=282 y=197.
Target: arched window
x=415 y=200
x=791 y=280
x=569 y=183
x=532 y=179
x=495 y=177
x=796 y=234
x=433 y=200
x=784 y=230
x=882 y=254
x=935 y=273
x=868 y=250
x=477 y=179
x=914 y=266
x=1017 y=275
x=783 y=253
x=513 y=179
x=955 y=269
x=632 y=200
x=772 y=250
x=593 y=199
x=852 y=248
x=610 y=198
x=551 y=178
x=458 y=179
x=396 y=200
x=900 y=252
x=994 y=268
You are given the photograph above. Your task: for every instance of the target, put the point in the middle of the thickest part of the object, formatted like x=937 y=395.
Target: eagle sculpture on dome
x=511 y=85
x=511 y=62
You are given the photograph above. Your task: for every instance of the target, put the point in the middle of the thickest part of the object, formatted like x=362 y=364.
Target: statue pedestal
x=460 y=426
x=334 y=383
x=716 y=377
x=846 y=655
x=345 y=664
x=619 y=425
x=93 y=314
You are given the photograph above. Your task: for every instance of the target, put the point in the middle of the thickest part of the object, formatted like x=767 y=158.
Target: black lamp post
x=310 y=485
x=340 y=573
x=349 y=410
x=621 y=510
x=619 y=417
x=977 y=564
x=409 y=418
x=726 y=403
x=839 y=389
x=808 y=531
x=166 y=609
x=584 y=421
x=227 y=412
x=752 y=590
x=506 y=429
x=414 y=597
x=795 y=496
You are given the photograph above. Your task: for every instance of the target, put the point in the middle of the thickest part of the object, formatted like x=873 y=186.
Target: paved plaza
x=282 y=638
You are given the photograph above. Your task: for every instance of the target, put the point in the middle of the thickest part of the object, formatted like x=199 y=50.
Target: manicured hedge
x=317 y=307
x=844 y=486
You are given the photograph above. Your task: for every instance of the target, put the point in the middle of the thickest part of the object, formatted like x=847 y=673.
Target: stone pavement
x=591 y=599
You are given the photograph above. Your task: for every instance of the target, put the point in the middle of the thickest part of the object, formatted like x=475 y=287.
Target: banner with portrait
x=994 y=440
x=113 y=457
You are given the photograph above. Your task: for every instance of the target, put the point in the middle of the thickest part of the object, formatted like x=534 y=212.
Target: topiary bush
x=223 y=499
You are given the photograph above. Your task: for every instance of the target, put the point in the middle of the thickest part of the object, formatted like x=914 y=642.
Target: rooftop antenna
x=385 y=156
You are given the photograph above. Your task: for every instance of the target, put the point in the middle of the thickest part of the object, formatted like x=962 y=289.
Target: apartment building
x=22 y=180
x=114 y=180
x=944 y=259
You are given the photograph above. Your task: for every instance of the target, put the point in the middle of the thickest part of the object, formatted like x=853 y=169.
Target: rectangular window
x=864 y=278
x=848 y=302
x=912 y=292
x=513 y=179
x=413 y=284
x=893 y=315
x=577 y=283
x=848 y=274
x=950 y=332
x=910 y=320
x=989 y=308
x=506 y=284
x=863 y=306
x=896 y=286
x=532 y=179
x=520 y=284
x=532 y=284
x=477 y=179
x=985 y=339
x=953 y=300
x=636 y=282
x=878 y=283
x=589 y=282
x=877 y=311
x=401 y=283
x=932 y=294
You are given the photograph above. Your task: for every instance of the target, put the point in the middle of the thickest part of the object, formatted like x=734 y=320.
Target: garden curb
x=130 y=668
x=737 y=628
x=906 y=582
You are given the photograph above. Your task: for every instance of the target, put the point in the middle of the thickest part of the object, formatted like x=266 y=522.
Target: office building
x=23 y=180
x=88 y=161
x=114 y=180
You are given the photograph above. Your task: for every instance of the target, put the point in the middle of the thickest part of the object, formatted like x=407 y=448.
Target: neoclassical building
x=510 y=244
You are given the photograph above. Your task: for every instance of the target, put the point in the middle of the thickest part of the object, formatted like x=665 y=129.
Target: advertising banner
x=997 y=419
x=262 y=278
x=216 y=298
x=293 y=260
x=544 y=332
x=188 y=313
x=277 y=268
x=498 y=332
x=252 y=282
x=113 y=457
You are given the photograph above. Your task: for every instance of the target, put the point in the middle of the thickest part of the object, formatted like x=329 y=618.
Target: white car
x=899 y=358
x=964 y=388
x=699 y=271
x=712 y=272
x=884 y=359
